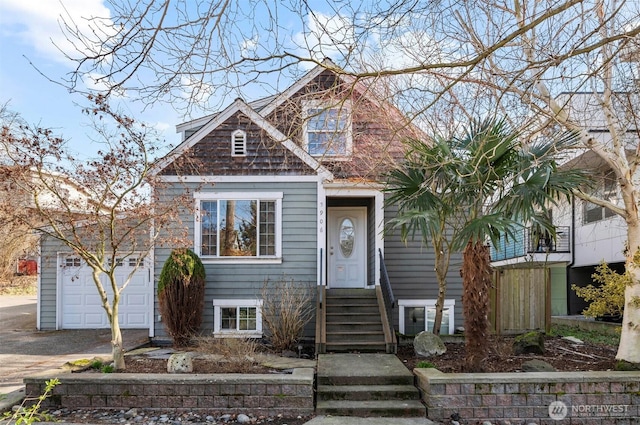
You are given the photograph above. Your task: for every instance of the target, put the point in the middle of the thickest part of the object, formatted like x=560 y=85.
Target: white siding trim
x=238 y=179
x=353 y=192
x=39 y=285
x=321 y=208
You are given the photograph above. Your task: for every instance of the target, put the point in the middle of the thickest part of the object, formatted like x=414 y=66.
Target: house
x=286 y=187
x=586 y=234
x=291 y=186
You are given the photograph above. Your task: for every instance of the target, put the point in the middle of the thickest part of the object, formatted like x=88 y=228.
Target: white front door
x=347 y=232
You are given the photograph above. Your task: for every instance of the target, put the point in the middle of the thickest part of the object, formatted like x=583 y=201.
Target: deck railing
x=530 y=240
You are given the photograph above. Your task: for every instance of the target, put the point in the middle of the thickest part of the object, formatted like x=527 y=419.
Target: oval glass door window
x=347 y=237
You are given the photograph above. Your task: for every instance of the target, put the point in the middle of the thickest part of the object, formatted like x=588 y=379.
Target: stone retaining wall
x=586 y=398
x=286 y=394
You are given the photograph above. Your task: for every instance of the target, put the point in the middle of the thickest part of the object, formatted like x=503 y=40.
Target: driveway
x=26 y=351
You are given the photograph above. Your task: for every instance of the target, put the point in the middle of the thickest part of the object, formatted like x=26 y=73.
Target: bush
x=286 y=308
x=607 y=299
x=238 y=353
x=181 y=295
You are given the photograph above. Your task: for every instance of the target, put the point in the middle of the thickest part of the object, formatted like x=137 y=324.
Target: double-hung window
x=238 y=225
x=327 y=129
x=606 y=189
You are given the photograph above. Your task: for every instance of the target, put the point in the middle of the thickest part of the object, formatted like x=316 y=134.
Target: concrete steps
x=366 y=385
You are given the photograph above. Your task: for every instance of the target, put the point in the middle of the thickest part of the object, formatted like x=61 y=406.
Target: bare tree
x=101 y=209
x=477 y=58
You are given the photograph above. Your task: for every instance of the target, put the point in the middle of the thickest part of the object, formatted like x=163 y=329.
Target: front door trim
x=336 y=190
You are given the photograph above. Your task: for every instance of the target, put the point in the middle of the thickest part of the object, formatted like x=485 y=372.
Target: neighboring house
x=291 y=187
x=587 y=234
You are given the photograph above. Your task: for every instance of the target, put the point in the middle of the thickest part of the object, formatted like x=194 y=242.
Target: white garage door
x=80 y=303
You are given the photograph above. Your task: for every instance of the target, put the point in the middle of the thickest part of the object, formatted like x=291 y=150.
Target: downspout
x=573 y=251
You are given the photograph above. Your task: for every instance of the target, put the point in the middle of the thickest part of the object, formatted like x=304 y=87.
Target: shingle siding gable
x=377 y=132
x=264 y=156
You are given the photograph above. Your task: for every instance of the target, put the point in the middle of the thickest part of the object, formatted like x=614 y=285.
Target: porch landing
x=366 y=385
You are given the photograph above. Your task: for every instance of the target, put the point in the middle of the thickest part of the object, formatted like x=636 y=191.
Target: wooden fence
x=521 y=300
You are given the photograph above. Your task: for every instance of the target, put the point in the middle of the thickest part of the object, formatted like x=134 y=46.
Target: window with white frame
x=242 y=318
x=238 y=225
x=418 y=315
x=605 y=189
x=238 y=143
x=327 y=129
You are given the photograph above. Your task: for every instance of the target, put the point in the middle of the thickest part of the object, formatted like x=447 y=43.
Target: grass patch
x=425 y=365
x=585 y=335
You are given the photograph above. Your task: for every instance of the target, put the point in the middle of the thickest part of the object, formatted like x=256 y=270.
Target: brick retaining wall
x=286 y=394
x=591 y=398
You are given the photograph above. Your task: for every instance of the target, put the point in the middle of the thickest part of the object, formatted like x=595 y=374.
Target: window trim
x=427 y=304
x=243 y=151
x=607 y=187
x=225 y=303
x=200 y=197
x=343 y=106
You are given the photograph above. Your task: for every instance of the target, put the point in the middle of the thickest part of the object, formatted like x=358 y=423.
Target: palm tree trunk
x=476 y=282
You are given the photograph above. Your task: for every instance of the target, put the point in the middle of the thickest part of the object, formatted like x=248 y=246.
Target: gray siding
x=245 y=281
x=411 y=271
x=49 y=248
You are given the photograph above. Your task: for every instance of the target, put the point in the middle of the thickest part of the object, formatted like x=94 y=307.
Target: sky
x=32 y=47
x=29 y=33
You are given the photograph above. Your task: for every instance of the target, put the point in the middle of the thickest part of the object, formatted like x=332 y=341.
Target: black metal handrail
x=387 y=292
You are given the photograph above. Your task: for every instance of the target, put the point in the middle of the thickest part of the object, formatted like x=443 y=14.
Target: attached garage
x=79 y=305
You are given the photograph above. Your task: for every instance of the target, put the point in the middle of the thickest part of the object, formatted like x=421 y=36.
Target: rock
x=180 y=363
x=243 y=419
x=486 y=423
x=531 y=342
x=459 y=330
x=225 y=418
x=210 y=418
x=537 y=366
x=130 y=413
x=573 y=339
x=427 y=344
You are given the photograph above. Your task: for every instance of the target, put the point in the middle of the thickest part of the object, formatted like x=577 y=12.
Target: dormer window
x=327 y=129
x=238 y=143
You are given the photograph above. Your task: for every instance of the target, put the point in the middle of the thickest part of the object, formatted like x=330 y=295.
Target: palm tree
x=466 y=191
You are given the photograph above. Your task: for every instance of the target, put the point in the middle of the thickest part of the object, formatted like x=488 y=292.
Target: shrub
x=29 y=411
x=607 y=299
x=287 y=307
x=181 y=295
x=238 y=354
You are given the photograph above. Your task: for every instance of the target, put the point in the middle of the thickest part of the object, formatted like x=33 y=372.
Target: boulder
x=427 y=344
x=531 y=342
x=573 y=340
x=180 y=363
x=537 y=366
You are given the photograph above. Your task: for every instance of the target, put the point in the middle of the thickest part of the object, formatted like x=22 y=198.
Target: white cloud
x=39 y=23
x=326 y=36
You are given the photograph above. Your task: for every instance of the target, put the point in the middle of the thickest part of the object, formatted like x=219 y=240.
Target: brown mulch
x=561 y=354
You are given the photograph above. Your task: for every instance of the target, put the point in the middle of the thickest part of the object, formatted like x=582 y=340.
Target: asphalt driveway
x=26 y=351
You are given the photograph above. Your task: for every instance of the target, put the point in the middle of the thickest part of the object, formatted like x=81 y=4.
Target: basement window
x=418 y=315
x=237 y=318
